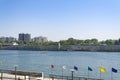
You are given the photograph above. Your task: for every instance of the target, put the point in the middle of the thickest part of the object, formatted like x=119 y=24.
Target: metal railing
x=59 y=77
x=20 y=75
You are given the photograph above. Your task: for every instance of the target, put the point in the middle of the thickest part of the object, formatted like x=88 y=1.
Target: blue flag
x=114 y=70
x=76 y=68
x=90 y=69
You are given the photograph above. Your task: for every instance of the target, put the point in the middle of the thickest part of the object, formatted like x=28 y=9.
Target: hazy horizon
x=61 y=19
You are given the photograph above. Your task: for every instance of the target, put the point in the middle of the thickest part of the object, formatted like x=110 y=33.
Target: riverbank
x=100 y=48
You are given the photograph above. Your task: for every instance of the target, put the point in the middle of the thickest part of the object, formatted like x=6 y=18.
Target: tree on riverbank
x=72 y=41
x=69 y=41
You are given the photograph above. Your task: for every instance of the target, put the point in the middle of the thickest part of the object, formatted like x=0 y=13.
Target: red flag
x=52 y=66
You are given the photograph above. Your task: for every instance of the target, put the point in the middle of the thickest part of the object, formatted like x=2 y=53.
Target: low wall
x=107 y=48
x=110 y=48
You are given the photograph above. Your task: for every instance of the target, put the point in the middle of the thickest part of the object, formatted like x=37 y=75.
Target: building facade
x=24 y=37
x=40 y=39
x=7 y=39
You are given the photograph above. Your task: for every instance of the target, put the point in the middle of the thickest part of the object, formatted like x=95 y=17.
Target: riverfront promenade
x=8 y=76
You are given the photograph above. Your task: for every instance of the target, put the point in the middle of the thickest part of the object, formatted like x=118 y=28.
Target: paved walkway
x=6 y=76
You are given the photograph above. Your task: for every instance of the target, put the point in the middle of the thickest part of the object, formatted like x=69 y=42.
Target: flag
x=76 y=68
x=90 y=69
x=114 y=70
x=63 y=67
x=52 y=66
x=102 y=69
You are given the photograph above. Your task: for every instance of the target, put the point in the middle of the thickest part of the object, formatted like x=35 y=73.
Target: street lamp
x=72 y=71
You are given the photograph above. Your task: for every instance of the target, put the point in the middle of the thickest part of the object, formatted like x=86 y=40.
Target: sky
x=61 y=19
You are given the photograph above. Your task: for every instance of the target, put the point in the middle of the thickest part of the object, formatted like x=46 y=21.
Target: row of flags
x=102 y=69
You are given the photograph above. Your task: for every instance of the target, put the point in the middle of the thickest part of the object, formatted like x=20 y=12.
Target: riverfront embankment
x=101 y=48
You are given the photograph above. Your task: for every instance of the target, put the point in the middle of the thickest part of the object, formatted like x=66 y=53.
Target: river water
x=41 y=61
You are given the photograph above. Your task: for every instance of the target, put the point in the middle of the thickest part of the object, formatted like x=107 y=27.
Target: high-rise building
x=27 y=37
x=40 y=39
x=7 y=39
x=21 y=37
x=24 y=37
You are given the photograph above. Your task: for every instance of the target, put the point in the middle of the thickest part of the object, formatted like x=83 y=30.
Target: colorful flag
x=52 y=66
x=114 y=70
x=90 y=69
x=63 y=67
x=102 y=69
x=76 y=68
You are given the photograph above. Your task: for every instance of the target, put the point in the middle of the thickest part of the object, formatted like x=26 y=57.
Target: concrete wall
x=110 y=48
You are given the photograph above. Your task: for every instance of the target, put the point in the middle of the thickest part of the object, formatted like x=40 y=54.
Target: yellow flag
x=102 y=69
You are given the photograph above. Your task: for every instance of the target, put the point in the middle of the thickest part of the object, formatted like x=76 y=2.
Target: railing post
x=72 y=71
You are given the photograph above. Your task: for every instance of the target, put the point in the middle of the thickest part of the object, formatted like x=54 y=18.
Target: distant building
x=7 y=39
x=3 y=39
x=21 y=37
x=24 y=37
x=27 y=37
x=40 y=39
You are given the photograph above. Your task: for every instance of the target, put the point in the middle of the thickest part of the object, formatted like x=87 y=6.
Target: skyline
x=52 y=40
x=61 y=19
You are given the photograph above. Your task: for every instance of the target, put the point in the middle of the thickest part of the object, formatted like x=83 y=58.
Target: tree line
x=69 y=41
x=94 y=41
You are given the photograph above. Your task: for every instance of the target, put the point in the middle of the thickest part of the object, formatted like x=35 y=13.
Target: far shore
x=90 y=48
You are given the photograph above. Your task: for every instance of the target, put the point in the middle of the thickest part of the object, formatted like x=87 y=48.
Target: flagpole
x=88 y=73
x=111 y=75
x=62 y=73
x=100 y=75
x=52 y=74
x=72 y=71
x=51 y=71
x=100 y=72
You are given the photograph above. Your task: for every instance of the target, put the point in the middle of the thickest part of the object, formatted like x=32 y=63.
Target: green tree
x=94 y=41
x=72 y=41
x=119 y=41
x=64 y=42
x=87 y=42
x=110 y=42
x=80 y=42
x=116 y=42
